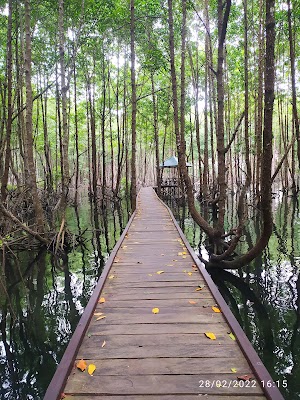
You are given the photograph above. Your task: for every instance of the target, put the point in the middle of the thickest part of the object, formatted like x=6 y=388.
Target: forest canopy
x=94 y=95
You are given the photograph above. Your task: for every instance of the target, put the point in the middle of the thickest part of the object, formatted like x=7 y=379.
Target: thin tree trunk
x=133 y=188
x=39 y=215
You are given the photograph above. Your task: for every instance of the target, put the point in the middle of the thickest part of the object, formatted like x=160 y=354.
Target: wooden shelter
x=169 y=177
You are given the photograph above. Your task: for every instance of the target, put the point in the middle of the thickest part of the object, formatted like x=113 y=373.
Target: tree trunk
x=39 y=215
x=133 y=112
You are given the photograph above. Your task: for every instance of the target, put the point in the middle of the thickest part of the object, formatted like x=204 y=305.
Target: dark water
x=44 y=299
x=264 y=296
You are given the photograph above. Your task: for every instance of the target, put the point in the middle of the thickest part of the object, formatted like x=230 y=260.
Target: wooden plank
x=152 y=294
x=115 y=283
x=160 y=329
x=115 y=341
x=159 y=385
x=161 y=303
x=161 y=397
x=168 y=366
x=154 y=351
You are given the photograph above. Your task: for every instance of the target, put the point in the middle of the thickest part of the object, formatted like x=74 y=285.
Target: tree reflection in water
x=42 y=298
x=265 y=295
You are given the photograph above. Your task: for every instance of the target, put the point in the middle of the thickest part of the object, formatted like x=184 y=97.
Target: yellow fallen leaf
x=81 y=365
x=184 y=270
x=102 y=300
x=149 y=274
x=192 y=302
x=111 y=277
x=183 y=256
x=155 y=310
x=124 y=247
x=216 y=309
x=184 y=253
x=231 y=335
x=170 y=265
x=234 y=370
x=210 y=335
x=102 y=317
x=180 y=254
x=103 y=344
x=160 y=272
x=198 y=289
x=190 y=273
x=98 y=313
x=91 y=369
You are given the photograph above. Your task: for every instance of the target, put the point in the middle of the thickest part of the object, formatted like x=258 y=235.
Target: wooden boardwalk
x=142 y=355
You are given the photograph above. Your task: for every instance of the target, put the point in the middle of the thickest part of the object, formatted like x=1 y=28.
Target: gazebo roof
x=172 y=162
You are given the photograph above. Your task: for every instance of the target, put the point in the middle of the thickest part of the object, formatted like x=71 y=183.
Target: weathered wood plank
x=154 y=351
x=161 y=397
x=160 y=329
x=168 y=366
x=160 y=303
x=159 y=385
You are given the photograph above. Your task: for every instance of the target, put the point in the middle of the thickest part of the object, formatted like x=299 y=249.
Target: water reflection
x=265 y=295
x=42 y=298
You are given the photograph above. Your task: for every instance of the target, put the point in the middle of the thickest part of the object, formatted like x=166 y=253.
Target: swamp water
x=264 y=296
x=46 y=298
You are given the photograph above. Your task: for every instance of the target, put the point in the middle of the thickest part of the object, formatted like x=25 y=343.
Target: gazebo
x=171 y=181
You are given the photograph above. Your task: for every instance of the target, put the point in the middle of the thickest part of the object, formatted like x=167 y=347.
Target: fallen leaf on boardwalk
x=116 y=260
x=102 y=317
x=216 y=309
x=139 y=262
x=180 y=254
x=149 y=274
x=162 y=254
x=81 y=365
x=233 y=369
x=190 y=273
x=155 y=310
x=103 y=344
x=98 y=313
x=184 y=270
x=231 y=335
x=245 y=377
x=210 y=335
x=102 y=300
x=198 y=289
x=184 y=253
x=192 y=302
x=183 y=256
x=111 y=277
x=160 y=272
x=124 y=247
x=174 y=260
x=91 y=369
x=194 y=266
x=170 y=265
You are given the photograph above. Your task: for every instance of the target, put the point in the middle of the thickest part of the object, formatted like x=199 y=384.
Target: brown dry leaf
x=245 y=377
x=116 y=260
x=216 y=309
x=192 y=302
x=198 y=289
x=102 y=317
x=91 y=369
x=210 y=335
x=111 y=277
x=155 y=310
x=103 y=344
x=81 y=365
x=102 y=300
x=160 y=272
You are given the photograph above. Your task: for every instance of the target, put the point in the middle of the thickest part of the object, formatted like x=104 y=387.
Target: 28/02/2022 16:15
x=241 y=383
